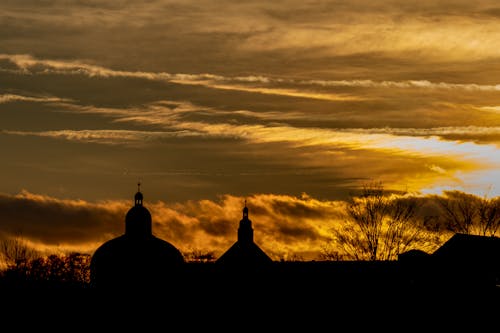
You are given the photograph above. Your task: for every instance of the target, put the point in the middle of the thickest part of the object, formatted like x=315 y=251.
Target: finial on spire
x=138 y=196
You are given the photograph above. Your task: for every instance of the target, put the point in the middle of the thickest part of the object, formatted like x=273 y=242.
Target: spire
x=138 y=195
x=245 y=211
x=245 y=231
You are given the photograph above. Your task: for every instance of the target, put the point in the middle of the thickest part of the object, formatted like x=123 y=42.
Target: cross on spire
x=139 y=186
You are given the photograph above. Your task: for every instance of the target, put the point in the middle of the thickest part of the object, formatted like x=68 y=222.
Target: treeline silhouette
x=53 y=271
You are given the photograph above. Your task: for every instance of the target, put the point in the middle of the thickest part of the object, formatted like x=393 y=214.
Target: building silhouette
x=470 y=249
x=463 y=262
x=244 y=253
x=137 y=259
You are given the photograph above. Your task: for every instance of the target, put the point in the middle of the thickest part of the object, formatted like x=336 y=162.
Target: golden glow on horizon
x=476 y=167
x=286 y=227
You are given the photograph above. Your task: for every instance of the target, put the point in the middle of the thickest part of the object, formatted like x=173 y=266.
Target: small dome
x=138 y=222
x=138 y=198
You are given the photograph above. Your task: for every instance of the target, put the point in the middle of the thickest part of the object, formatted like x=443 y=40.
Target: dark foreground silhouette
x=283 y=295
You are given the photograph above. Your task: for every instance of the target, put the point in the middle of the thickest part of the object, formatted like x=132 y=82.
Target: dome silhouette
x=136 y=259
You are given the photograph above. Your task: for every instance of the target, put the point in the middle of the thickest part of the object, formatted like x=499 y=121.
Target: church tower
x=245 y=230
x=244 y=253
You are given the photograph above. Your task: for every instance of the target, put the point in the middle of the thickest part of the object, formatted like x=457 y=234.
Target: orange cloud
x=283 y=225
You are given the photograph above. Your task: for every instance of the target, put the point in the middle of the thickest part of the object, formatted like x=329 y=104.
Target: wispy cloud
x=495 y=109
x=6 y=98
x=169 y=116
x=434 y=131
x=420 y=84
x=254 y=84
x=108 y=137
x=394 y=140
x=411 y=143
x=29 y=64
x=274 y=91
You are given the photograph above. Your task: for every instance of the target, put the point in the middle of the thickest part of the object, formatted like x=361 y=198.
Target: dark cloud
x=296 y=232
x=298 y=209
x=51 y=221
x=217 y=226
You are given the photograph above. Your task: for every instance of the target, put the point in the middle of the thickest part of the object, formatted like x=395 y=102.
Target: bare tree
x=378 y=226
x=16 y=253
x=489 y=216
x=470 y=214
x=367 y=211
x=330 y=253
x=401 y=231
x=459 y=210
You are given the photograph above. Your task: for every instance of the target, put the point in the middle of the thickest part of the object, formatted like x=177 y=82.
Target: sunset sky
x=292 y=105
